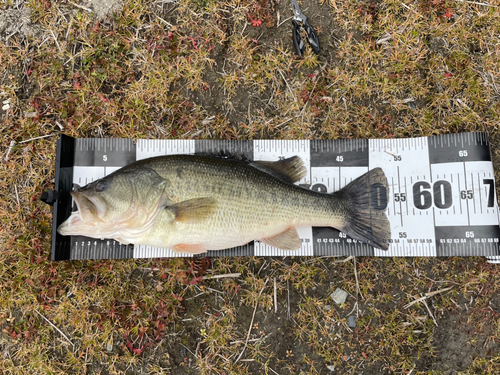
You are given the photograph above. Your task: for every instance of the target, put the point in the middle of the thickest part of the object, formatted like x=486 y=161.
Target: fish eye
x=100 y=186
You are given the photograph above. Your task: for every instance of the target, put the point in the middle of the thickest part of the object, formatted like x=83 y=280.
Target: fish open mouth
x=75 y=216
x=90 y=219
x=84 y=210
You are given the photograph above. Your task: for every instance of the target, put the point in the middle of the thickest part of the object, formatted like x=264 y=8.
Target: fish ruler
x=442 y=197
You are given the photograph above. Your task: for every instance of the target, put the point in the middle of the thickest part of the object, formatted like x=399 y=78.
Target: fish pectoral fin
x=190 y=248
x=193 y=210
x=287 y=240
x=290 y=169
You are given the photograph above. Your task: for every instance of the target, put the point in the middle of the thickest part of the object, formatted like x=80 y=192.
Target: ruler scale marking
x=466 y=202
x=320 y=153
x=479 y=189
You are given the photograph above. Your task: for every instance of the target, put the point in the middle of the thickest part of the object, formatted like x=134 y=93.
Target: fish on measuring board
x=193 y=203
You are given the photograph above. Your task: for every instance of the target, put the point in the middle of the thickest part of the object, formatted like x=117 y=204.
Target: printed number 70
x=491 y=191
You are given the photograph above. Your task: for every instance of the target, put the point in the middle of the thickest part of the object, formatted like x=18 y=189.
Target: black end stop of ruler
x=60 y=197
x=50 y=197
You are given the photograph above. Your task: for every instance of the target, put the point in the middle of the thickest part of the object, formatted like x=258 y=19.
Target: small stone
x=351 y=321
x=6 y=105
x=109 y=347
x=339 y=296
x=331 y=367
x=328 y=307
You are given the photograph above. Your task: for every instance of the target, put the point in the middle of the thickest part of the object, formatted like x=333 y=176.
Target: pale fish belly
x=231 y=225
x=224 y=240
x=212 y=237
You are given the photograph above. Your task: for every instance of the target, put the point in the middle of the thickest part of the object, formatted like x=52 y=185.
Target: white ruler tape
x=442 y=190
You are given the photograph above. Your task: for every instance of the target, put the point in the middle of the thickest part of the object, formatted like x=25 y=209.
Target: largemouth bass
x=192 y=204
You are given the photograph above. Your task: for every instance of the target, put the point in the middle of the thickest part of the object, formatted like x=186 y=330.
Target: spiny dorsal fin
x=291 y=169
x=287 y=240
x=193 y=210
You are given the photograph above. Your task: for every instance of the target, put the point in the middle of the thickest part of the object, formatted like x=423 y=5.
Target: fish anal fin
x=190 y=248
x=287 y=240
x=290 y=169
x=193 y=210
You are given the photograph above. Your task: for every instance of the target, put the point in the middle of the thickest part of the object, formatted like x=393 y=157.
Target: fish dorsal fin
x=193 y=210
x=287 y=240
x=290 y=169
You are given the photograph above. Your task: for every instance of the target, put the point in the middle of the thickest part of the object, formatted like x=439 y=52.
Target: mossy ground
x=208 y=69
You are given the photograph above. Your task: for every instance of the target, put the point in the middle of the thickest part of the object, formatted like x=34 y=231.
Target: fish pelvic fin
x=365 y=201
x=190 y=248
x=287 y=240
x=291 y=169
x=193 y=210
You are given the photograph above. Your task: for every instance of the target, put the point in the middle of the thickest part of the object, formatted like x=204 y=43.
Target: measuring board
x=442 y=199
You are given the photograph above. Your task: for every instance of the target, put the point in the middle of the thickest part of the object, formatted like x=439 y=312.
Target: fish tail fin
x=365 y=201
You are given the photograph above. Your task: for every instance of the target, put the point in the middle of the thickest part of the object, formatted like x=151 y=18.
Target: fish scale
x=199 y=203
x=258 y=198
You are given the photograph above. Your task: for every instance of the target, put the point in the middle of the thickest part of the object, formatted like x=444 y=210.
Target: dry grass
x=200 y=69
